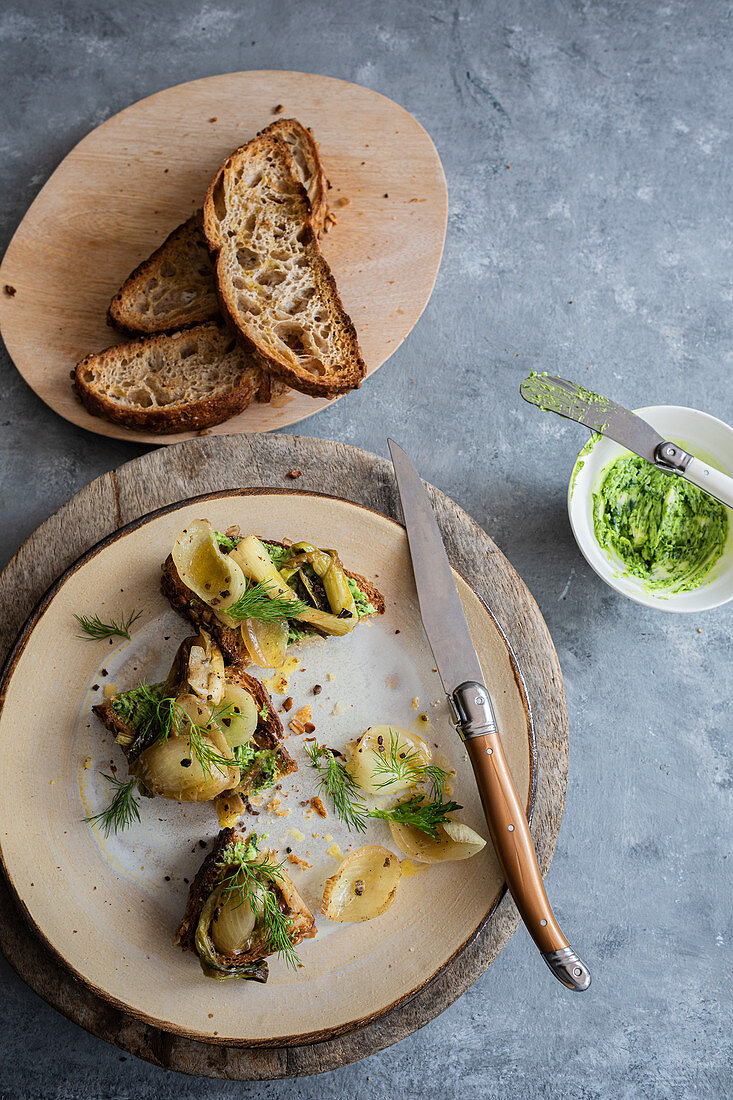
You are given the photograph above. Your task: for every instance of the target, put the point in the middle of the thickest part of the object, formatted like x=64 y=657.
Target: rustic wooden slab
x=133 y=179
x=210 y=464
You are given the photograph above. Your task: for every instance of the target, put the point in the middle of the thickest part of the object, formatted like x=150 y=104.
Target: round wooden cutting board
x=214 y=464
x=127 y=184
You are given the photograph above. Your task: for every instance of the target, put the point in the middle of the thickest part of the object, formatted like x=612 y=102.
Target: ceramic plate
x=109 y=908
x=133 y=179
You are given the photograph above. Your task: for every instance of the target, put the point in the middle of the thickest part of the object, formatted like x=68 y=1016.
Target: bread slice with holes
x=308 y=168
x=174 y=288
x=181 y=381
x=273 y=283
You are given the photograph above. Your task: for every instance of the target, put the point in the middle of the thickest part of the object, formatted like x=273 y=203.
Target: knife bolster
x=672 y=457
x=472 y=710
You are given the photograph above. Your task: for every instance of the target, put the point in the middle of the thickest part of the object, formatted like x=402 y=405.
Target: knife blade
x=470 y=702
x=554 y=394
x=440 y=605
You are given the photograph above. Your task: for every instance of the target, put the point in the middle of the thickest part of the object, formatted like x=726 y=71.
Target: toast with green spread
x=242 y=907
x=206 y=733
x=307 y=592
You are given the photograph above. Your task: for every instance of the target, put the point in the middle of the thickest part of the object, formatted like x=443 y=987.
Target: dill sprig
x=93 y=626
x=251 y=876
x=205 y=753
x=398 y=765
x=419 y=812
x=122 y=810
x=339 y=784
x=255 y=603
x=164 y=718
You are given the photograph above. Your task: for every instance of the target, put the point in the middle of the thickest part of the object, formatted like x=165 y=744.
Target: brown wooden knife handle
x=510 y=834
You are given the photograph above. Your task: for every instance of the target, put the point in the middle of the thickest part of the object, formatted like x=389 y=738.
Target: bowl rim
x=657 y=603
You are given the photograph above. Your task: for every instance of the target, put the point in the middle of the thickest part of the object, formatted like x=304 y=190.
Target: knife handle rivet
x=489 y=752
x=510 y=828
x=543 y=923
x=479 y=700
x=577 y=972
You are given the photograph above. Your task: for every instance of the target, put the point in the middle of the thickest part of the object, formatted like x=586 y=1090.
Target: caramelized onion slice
x=239 y=717
x=266 y=643
x=374 y=752
x=233 y=922
x=364 y=886
x=170 y=769
x=214 y=577
x=454 y=841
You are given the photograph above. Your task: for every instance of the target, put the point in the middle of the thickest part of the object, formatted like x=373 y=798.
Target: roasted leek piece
x=327 y=566
x=253 y=559
x=242 y=908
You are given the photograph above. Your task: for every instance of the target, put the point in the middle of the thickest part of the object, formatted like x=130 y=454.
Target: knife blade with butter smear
x=553 y=394
x=470 y=701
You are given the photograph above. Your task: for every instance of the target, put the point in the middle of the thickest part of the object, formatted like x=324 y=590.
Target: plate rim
x=112 y=430
x=9 y=667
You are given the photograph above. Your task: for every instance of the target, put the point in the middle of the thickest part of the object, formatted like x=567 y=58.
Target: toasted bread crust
x=188 y=604
x=242 y=372
x=310 y=292
x=111 y=720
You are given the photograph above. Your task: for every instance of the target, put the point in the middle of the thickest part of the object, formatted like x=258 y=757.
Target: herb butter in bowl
x=651 y=535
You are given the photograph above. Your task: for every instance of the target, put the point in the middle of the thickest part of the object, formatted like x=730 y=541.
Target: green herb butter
x=664 y=530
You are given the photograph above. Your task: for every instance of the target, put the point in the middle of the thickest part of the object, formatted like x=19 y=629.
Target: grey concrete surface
x=587 y=151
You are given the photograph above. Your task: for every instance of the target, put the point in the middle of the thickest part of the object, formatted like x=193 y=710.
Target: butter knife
x=470 y=702
x=553 y=394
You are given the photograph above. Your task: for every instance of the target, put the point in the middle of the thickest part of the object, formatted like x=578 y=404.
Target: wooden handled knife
x=470 y=701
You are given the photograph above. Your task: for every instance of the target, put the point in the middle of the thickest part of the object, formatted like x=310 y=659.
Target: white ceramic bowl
x=704 y=436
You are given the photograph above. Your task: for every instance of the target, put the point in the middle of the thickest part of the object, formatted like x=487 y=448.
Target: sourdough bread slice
x=273 y=283
x=174 y=382
x=308 y=168
x=174 y=287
